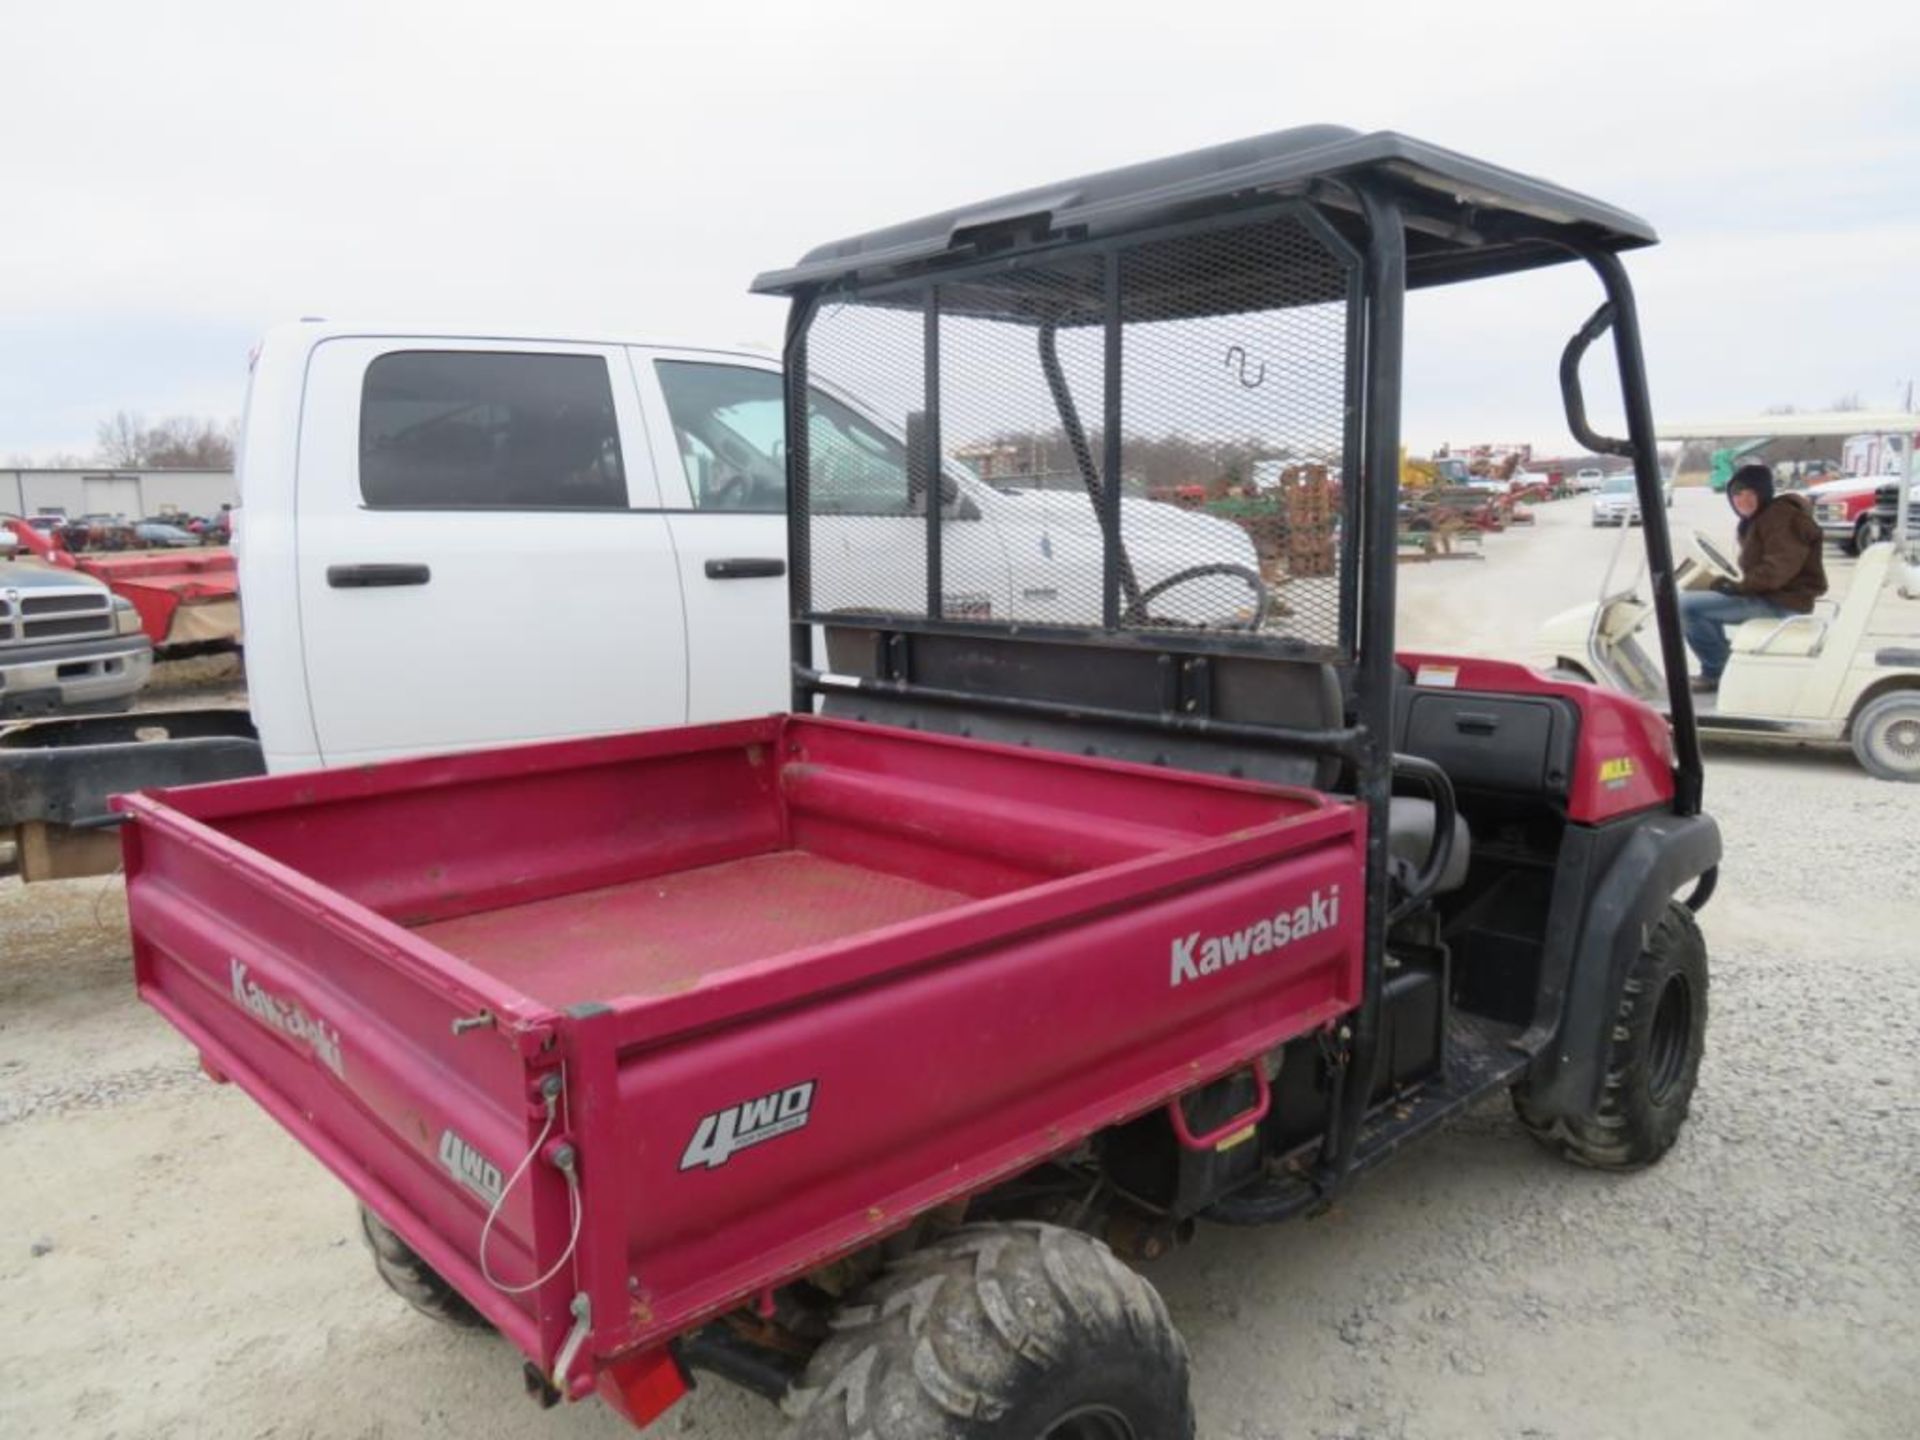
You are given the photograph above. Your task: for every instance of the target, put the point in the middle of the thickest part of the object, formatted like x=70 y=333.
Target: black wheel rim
x=1671 y=1039
x=1090 y=1422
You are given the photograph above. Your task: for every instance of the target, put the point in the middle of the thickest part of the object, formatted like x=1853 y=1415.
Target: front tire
x=1653 y=1060
x=1886 y=736
x=1000 y=1332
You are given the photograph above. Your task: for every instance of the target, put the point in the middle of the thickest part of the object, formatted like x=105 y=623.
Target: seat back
x=1242 y=690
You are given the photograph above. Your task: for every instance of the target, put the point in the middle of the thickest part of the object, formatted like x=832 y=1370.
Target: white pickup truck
x=455 y=539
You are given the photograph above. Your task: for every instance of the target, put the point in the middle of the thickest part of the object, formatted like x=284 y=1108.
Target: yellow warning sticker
x=1617 y=771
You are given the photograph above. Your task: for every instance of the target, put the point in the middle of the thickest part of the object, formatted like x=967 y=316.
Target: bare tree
x=122 y=440
x=1849 y=401
x=180 y=442
x=1781 y=410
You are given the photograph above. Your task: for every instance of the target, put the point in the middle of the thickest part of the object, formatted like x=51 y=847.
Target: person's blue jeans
x=1705 y=616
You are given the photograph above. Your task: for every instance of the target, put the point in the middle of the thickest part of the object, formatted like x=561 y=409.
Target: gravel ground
x=171 y=1264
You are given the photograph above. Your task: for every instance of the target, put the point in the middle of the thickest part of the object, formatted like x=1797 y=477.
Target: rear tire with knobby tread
x=413 y=1280
x=1655 y=1044
x=999 y=1332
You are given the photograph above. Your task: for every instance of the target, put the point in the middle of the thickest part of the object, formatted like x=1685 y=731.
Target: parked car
x=1588 y=480
x=164 y=535
x=97 y=532
x=68 y=645
x=1844 y=510
x=1886 y=509
x=1618 y=503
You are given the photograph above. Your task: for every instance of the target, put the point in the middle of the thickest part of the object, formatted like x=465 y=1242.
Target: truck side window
x=858 y=468
x=477 y=430
x=729 y=424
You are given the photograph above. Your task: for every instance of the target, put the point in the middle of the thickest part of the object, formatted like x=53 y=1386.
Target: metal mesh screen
x=1233 y=430
x=1031 y=473
x=1231 y=441
x=866 y=501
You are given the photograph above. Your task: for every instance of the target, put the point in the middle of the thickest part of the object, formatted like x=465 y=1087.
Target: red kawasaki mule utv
x=840 y=1052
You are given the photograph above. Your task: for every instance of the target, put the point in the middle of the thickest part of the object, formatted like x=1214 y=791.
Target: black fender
x=1661 y=855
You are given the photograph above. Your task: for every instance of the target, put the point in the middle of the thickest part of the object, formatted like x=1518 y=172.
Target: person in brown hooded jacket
x=1781 y=572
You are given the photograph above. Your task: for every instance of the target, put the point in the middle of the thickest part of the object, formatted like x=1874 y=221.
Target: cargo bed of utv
x=804 y=979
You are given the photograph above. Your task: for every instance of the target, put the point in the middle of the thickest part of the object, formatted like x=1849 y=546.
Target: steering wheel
x=1262 y=601
x=1714 y=560
x=727 y=489
x=743 y=472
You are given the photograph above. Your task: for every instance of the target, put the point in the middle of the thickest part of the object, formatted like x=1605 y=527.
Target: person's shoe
x=1705 y=684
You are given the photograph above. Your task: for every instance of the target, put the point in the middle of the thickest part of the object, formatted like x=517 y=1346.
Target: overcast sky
x=180 y=176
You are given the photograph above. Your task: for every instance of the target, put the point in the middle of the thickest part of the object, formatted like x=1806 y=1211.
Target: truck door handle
x=1476 y=724
x=750 y=568
x=368 y=577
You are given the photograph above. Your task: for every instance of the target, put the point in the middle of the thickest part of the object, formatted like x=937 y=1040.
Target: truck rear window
x=475 y=430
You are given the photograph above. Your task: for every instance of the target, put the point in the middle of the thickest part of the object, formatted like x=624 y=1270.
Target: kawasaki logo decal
x=1195 y=957
x=286 y=1016
x=721 y=1134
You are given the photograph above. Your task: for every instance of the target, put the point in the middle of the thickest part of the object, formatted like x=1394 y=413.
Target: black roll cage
x=1365 y=219
x=1377 y=253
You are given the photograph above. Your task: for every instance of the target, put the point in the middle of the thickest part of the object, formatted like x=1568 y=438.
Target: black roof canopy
x=1465 y=219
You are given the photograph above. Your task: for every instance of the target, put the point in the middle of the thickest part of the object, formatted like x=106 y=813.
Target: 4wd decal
x=288 y=1017
x=1194 y=957
x=719 y=1135
x=472 y=1169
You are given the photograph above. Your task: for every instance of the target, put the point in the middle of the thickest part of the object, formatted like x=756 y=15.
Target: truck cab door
x=480 y=551
x=718 y=431
x=870 y=526
x=718 y=428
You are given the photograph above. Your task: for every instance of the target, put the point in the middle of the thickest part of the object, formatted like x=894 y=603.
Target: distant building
x=1874 y=455
x=134 y=494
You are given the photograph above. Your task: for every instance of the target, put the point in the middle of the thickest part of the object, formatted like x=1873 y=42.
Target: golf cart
x=839 y=1051
x=1848 y=673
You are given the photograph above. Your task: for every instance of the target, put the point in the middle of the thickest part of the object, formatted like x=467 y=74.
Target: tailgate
x=342 y=1026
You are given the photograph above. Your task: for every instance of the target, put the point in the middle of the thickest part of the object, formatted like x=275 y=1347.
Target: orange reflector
x=642 y=1387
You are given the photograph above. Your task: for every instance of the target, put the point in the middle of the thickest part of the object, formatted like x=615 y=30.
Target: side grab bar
x=1597 y=325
